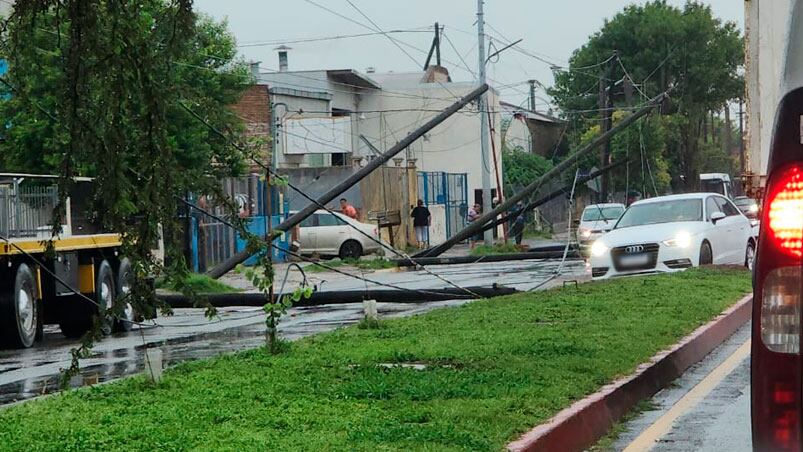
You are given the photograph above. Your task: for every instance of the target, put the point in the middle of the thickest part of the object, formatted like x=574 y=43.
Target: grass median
x=486 y=372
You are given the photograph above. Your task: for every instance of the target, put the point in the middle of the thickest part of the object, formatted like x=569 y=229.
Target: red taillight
x=785 y=212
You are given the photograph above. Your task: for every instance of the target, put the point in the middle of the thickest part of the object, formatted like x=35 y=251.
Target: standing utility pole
x=532 y=94
x=606 y=86
x=484 y=132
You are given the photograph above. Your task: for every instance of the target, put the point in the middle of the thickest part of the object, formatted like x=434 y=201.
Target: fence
x=27 y=211
x=212 y=242
x=449 y=190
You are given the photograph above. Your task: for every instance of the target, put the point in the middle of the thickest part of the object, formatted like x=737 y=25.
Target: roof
x=530 y=114
x=352 y=77
x=676 y=197
x=715 y=176
x=604 y=205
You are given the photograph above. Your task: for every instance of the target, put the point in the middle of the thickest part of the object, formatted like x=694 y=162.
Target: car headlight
x=598 y=249
x=585 y=233
x=754 y=208
x=681 y=240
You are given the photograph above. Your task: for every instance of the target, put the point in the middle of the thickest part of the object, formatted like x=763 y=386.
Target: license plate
x=634 y=260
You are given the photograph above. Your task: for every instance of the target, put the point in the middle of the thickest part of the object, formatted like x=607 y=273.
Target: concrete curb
x=581 y=425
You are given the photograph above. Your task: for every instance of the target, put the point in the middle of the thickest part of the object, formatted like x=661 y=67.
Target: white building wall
x=453 y=146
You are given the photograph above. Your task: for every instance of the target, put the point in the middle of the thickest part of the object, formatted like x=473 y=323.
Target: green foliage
x=521 y=168
x=200 y=284
x=97 y=89
x=685 y=50
x=494 y=368
x=362 y=264
x=497 y=248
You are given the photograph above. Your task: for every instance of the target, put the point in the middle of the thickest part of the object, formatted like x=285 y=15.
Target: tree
x=520 y=168
x=134 y=93
x=658 y=47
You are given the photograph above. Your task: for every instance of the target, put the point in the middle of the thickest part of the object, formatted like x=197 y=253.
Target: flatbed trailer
x=70 y=280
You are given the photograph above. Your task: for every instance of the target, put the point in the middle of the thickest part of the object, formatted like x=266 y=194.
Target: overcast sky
x=550 y=29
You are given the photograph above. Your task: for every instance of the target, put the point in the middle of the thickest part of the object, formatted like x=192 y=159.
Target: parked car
x=326 y=234
x=596 y=220
x=672 y=233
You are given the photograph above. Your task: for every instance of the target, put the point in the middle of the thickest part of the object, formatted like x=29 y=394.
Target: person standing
x=421 y=222
x=347 y=209
x=473 y=214
x=517 y=227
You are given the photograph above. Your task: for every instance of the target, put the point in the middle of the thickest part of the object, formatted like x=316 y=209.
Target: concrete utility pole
x=606 y=86
x=532 y=94
x=487 y=217
x=484 y=132
x=341 y=187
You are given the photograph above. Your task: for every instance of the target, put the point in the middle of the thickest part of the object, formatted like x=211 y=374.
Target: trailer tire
x=80 y=314
x=127 y=315
x=19 y=310
x=105 y=294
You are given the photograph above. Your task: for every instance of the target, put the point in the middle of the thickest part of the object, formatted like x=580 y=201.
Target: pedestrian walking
x=347 y=209
x=422 y=219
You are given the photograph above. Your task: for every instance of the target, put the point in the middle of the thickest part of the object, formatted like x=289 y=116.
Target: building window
x=339 y=159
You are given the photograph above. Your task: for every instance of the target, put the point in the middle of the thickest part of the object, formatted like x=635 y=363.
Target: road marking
x=647 y=439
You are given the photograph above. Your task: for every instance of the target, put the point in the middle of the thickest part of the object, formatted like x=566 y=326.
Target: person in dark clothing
x=517 y=227
x=421 y=221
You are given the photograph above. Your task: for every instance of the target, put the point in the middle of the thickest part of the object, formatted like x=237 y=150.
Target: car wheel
x=750 y=255
x=706 y=256
x=125 y=319
x=350 y=249
x=20 y=310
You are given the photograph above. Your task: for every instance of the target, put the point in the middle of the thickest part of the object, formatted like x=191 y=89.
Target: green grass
x=363 y=264
x=496 y=368
x=532 y=233
x=200 y=284
x=497 y=248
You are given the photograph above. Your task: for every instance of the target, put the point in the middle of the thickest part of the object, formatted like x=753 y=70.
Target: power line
x=329 y=38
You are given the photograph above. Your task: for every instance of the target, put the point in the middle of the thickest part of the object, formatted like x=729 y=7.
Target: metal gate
x=449 y=190
x=27 y=211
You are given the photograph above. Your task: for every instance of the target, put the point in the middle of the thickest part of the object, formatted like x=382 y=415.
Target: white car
x=325 y=234
x=672 y=233
x=597 y=219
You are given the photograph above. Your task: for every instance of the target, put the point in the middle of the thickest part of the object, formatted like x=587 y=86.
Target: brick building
x=254 y=109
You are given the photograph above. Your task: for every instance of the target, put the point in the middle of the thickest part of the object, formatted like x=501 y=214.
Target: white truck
x=766 y=37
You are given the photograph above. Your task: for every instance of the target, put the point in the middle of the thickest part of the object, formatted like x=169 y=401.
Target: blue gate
x=449 y=190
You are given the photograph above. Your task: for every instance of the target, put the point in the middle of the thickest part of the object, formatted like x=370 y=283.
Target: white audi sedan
x=672 y=233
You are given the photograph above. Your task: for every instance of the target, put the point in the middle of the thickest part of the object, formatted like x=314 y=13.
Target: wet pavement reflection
x=188 y=335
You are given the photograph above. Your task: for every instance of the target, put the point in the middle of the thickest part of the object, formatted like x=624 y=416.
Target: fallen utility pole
x=563 y=190
x=475 y=227
x=337 y=190
x=339 y=297
x=523 y=256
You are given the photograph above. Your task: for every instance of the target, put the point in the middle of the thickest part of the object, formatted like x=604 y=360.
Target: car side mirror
x=576 y=222
x=716 y=216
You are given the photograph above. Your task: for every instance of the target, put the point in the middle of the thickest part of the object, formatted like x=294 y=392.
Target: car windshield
x=594 y=213
x=744 y=202
x=712 y=186
x=662 y=212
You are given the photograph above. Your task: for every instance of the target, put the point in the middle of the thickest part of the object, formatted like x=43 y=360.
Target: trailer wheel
x=20 y=311
x=79 y=316
x=127 y=316
x=105 y=294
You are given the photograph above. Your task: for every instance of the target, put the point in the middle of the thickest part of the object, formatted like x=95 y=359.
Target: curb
x=582 y=424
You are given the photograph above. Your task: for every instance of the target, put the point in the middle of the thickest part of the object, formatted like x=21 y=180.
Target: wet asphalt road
x=719 y=420
x=188 y=335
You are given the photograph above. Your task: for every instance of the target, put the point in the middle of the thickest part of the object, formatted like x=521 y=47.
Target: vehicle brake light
x=780 y=310
x=785 y=212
